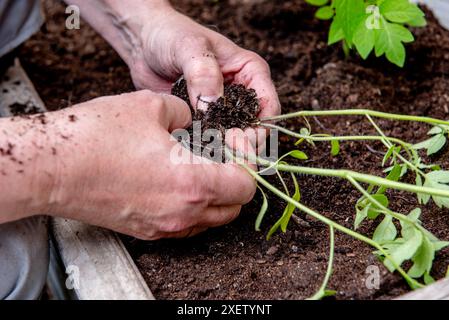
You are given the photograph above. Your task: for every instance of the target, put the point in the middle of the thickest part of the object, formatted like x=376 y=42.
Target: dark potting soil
x=235 y=261
x=238 y=108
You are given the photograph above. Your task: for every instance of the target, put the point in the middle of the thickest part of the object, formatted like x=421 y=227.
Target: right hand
x=114 y=171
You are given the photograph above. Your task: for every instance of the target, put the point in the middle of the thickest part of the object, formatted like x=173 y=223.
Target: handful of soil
x=238 y=108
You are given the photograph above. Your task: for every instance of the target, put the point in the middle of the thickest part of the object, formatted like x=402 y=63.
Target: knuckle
x=174 y=225
x=201 y=71
x=192 y=189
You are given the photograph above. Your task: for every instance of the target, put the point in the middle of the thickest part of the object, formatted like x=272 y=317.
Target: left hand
x=174 y=45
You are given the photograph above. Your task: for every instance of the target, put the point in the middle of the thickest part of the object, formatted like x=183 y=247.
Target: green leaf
x=336 y=33
x=287 y=214
x=387 y=155
x=325 y=13
x=432 y=145
x=364 y=40
x=422 y=197
x=317 y=3
x=335 y=148
x=418 y=22
x=438 y=245
x=262 y=211
x=349 y=14
x=408 y=229
x=394 y=175
x=423 y=259
x=291 y=208
x=385 y=231
x=400 y=11
x=428 y=279
x=435 y=130
x=361 y=214
x=298 y=155
x=389 y=39
x=404 y=251
x=438 y=180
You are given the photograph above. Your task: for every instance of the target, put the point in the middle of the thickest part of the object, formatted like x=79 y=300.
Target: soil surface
x=235 y=261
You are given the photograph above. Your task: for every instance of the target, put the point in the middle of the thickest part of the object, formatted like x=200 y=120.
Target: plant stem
x=322 y=291
x=360 y=177
x=330 y=138
x=413 y=283
x=384 y=209
x=357 y=112
x=388 y=144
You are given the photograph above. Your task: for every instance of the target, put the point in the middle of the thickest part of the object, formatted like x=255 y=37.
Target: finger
x=218 y=216
x=227 y=184
x=176 y=113
x=243 y=142
x=256 y=74
x=201 y=71
x=258 y=138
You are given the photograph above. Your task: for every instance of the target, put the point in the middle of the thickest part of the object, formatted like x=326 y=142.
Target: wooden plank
x=436 y=291
x=95 y=256
x=100 y=262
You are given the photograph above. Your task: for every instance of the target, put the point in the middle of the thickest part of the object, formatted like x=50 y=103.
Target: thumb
x=175 y=113
x=202 y=72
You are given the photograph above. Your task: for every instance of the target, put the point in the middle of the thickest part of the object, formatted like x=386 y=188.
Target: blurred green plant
x=371 y=25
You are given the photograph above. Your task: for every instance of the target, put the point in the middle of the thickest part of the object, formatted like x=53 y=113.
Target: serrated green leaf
x=335 y=148
x=400 y=11
x=325 y=13
x=435 y=130
x=423 y=259
x=418 y=22
x=432 y=145
x=438 y=180
x=317 y=3
x=263 y=210
x=364 y=40
x=389 y=40
x=349 y=14
x=385 y=231
x=404 y=251
x=335 y=33
x=438 y=245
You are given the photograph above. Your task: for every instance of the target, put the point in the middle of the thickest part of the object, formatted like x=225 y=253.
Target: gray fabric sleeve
x=19 y=20
x=24 y=258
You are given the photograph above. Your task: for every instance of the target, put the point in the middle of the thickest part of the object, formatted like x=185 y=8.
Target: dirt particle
x=73 y=118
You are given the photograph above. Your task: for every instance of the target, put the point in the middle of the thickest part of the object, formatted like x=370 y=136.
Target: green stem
x=384 y=209
x=388 y=144
x=414 y=284
x=330 y=138
x=321 y=292
x=360 y=177
x=357 y=112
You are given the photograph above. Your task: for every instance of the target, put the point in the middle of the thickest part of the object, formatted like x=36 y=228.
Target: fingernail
x=203 y=102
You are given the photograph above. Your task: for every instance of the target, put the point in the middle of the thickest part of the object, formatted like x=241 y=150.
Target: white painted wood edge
x=96 y=256
x=99 y=265
x=436 y=291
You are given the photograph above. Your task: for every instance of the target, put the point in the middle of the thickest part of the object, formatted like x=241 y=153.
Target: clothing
x=24 y=258
x=24 y=247
x=19 y=20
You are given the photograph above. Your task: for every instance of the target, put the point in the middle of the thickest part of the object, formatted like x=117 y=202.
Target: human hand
x=174 y=45
x=116 y=171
